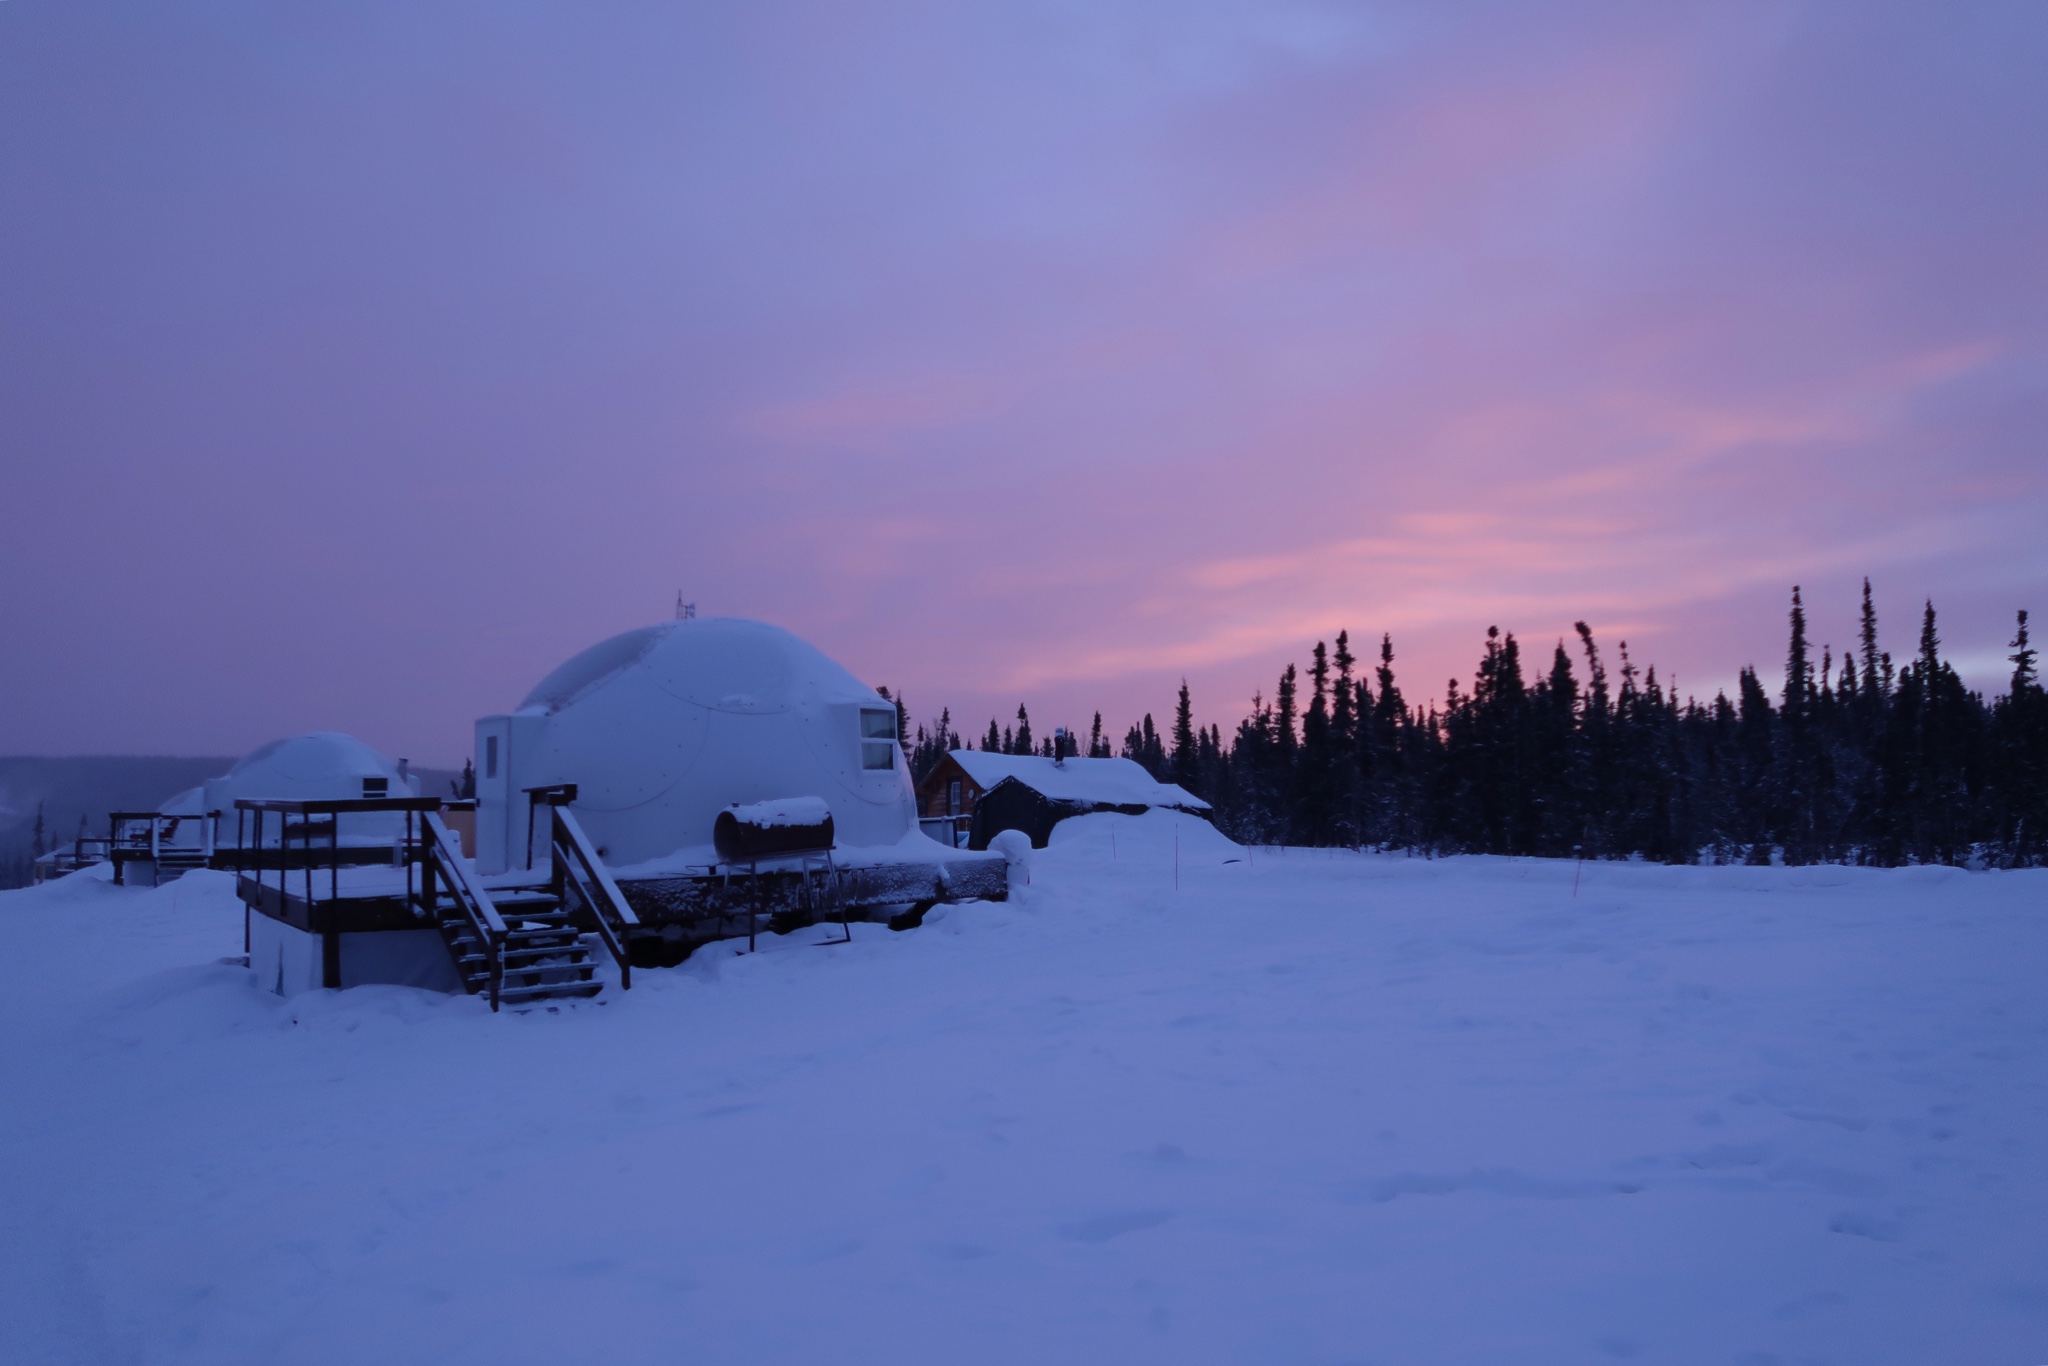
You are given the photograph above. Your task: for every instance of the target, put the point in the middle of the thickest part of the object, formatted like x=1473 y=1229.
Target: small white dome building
x=321 y=766
x=662 y=728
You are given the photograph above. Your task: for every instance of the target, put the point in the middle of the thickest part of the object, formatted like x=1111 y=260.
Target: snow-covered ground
x=1309 y=1107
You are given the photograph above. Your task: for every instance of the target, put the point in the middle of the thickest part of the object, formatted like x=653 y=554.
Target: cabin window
x=376 y=787
x=953 y=797
x=490 y=756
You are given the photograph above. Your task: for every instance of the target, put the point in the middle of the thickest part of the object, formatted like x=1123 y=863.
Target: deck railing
x=309 y=840
x=311 y=848
x=577 y=873
x=139 y=836
x=442 y=862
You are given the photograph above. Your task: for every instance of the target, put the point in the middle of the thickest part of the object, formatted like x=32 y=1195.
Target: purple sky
x=359 y=362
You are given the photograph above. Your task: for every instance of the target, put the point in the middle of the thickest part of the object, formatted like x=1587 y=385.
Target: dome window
x=877 y=739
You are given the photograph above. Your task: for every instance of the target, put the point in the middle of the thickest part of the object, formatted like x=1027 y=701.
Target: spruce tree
x=1797 y=772
x=1342 y=718
x=1154 y=747
x=1389 y=817
x=1342 y=758
x=1284 y=713
x=1798 y=668
x=1315 y=788
x=2025 y=677
x=2021 y=722
x=1757 y=781
x=1187 y=768
x=1023 y=731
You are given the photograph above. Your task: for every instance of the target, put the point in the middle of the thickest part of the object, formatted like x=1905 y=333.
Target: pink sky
x=360 y=362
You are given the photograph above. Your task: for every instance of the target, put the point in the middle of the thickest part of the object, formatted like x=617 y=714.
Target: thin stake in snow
x=1580 y=850
x=1176 y=856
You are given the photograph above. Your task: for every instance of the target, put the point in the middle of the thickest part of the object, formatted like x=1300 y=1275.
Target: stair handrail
x=577 y=864
x=443 y=856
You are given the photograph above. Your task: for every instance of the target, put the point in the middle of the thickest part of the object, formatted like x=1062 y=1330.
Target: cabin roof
x=1102 y=782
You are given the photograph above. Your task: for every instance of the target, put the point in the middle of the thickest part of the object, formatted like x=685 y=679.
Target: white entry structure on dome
x=662 y=728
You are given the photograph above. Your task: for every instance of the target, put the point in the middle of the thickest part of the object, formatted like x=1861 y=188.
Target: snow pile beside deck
x=1312 y=1107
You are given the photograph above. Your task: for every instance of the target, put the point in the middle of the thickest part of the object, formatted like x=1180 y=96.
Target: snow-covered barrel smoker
x=795 y=825
x=664 y=729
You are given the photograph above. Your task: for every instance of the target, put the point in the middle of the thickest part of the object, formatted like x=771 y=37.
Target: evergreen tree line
x=1870 y=762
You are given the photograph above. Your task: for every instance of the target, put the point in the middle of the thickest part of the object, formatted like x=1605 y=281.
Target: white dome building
x=662 y=728
x=321 y=766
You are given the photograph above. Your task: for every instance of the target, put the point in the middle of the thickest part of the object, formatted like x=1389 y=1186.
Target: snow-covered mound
x=1154 y=834
x=1310 y=1107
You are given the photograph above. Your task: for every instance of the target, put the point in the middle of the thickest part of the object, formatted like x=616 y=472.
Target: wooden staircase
x=525 y=946
x=541 y=956
x=175 y=863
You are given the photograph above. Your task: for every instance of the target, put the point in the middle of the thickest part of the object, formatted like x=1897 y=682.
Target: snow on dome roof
x=190 y=802
x=321 y=764
x=727 y=664
x=1104 y=782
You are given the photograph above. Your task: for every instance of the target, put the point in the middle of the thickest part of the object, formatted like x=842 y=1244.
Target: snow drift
x=1312 y=1107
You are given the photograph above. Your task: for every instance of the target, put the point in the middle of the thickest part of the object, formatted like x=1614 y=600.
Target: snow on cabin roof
x=1105 y=782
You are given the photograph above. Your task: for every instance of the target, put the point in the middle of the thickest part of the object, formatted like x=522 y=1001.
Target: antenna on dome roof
x=685 y=611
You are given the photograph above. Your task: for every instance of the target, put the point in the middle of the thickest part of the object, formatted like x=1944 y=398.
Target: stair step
x=477 y=980
x=459 y=931
x=476 y=963
x=510 y=897
x=524 y=956
x=547 y=989
x=548 y=965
